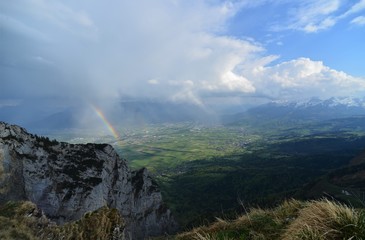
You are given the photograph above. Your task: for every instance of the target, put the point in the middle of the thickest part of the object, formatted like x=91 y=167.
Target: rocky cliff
x=68 y=180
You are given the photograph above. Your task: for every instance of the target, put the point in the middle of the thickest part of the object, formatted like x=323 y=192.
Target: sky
x=197 y=51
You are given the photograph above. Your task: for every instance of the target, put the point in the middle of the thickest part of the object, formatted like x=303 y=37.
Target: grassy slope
x=315 y=220
x=291 y=220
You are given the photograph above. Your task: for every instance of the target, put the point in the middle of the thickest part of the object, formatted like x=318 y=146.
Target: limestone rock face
x=68 y=180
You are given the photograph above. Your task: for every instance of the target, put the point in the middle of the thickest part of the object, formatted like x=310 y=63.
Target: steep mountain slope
x=68 y=180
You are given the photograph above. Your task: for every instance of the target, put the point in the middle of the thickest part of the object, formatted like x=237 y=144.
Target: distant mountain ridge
x=333 y=102
x=310 y=110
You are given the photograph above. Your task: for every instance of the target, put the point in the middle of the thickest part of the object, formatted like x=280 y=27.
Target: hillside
x=345 y=184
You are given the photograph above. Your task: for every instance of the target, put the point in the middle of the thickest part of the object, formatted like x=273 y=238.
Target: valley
x=219 y=170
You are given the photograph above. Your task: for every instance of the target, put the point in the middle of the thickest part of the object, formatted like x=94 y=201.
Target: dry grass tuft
x=326 y=220
x=292 y=220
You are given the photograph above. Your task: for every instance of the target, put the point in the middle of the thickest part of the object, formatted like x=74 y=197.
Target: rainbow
x=108 y=125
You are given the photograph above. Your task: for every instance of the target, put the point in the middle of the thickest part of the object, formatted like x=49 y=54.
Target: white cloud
x=153 y=81
x=312 y=16
x=320 y=25
x=360 y=20
x=50 y=17
x=9 y=23
x=234 y=82
x=9 y=103
x=304 y=78
x=133 y=48
x=359 y=6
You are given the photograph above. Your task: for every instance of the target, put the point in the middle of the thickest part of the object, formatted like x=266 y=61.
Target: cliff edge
x=68 y=180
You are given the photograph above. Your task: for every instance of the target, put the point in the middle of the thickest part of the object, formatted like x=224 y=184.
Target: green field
x=166 y=146
x=163 y=148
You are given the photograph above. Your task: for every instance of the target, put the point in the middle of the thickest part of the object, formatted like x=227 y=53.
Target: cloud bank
x=165 y=50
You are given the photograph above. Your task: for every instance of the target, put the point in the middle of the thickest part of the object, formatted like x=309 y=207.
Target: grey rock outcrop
x=68 y=180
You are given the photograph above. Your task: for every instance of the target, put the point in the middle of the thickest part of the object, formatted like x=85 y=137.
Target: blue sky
x=340 y=46
x=200 y=51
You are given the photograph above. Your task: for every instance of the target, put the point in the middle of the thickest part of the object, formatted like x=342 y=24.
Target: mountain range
x=301 y=111
x=142 y=112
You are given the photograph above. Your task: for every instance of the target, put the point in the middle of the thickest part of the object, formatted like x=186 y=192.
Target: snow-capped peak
x=331 y=102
